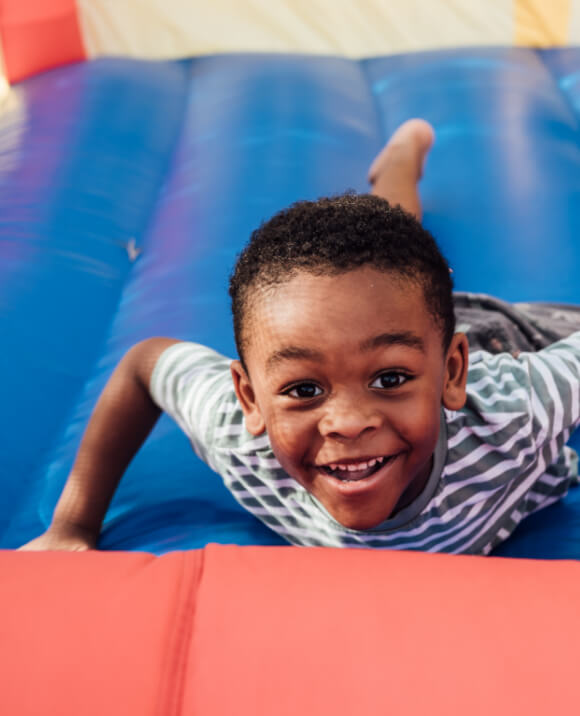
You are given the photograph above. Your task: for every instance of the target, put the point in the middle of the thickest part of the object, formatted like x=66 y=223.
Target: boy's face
x=347 y=375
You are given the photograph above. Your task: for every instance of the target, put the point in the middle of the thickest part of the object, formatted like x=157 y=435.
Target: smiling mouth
x=353 y=472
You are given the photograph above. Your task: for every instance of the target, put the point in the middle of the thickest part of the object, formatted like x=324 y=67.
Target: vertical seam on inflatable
x=172 y=682
x=380 y=119
x=541 y=54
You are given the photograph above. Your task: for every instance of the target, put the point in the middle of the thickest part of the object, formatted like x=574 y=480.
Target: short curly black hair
x=337 y=234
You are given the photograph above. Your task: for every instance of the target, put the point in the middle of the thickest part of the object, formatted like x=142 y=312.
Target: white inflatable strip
x=180 y=28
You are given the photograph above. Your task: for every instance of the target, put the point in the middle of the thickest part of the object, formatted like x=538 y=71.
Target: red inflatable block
x=312 y=631
x=287 y=631
x=38 y=35
x=94 y=633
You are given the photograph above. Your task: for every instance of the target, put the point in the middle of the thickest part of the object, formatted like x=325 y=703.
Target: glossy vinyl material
x=127 y=188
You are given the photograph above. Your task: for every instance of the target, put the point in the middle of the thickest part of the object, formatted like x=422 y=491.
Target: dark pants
x=496 y=326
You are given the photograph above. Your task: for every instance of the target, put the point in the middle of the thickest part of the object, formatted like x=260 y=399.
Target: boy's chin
x=359 y=521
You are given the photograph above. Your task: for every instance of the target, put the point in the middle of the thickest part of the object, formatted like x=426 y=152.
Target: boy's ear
x=253 y=417
x=456 y=366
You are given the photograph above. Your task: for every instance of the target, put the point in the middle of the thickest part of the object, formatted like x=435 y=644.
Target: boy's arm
x=122 y=419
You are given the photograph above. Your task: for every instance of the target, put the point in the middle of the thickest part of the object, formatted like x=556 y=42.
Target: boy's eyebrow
x=403 y=338
x=293 y=353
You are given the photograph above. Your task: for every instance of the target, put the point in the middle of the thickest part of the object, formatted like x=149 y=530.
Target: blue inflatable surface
x=127 y=188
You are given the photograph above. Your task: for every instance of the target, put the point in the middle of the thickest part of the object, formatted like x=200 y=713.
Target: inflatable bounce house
x=140 y=144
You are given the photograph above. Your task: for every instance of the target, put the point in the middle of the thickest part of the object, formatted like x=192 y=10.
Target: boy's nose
x=349 y=419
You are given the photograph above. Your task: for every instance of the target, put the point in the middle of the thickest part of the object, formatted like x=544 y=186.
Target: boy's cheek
x=290 y=442
x=418 y=424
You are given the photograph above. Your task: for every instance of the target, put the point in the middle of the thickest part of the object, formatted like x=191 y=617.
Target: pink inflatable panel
x=287 y=631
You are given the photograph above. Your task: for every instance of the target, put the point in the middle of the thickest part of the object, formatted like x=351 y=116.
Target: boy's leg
x=396 y=171
x=491 y=324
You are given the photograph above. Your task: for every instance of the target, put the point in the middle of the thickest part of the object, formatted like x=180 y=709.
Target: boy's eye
x=304 y=391
x=389 y=380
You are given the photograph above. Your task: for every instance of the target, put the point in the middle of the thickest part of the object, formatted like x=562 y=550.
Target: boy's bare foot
x=408 y=146
x=395 y=172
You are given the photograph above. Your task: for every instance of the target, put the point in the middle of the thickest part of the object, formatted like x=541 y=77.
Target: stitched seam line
x=172 y=682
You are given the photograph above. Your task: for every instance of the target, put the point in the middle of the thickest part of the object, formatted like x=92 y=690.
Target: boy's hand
x=69 y=539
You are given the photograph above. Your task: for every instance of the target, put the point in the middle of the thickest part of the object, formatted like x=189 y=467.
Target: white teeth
x=353 y=467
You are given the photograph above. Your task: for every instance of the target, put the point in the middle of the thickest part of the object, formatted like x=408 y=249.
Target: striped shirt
x=500 y=458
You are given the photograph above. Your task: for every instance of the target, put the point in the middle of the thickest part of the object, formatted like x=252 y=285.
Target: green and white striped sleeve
x=189 y=382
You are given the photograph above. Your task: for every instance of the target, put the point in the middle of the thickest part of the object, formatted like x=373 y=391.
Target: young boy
x=353 y=416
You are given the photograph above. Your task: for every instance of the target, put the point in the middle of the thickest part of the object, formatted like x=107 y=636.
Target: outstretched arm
x=122 y=419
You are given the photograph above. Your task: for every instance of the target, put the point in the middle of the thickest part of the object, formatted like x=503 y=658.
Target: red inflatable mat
x=284 y=630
